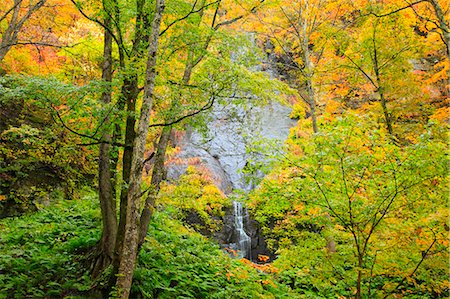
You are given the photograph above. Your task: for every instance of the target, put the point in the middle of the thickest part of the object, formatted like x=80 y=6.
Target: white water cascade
x=243 y=241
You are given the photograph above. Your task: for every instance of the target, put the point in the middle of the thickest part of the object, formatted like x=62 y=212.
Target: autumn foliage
x=356 y=204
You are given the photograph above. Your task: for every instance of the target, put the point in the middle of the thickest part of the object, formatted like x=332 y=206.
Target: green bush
x=44 y=255
x=40 y=254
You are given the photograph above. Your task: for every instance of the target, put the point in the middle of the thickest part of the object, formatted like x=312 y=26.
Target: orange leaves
x=441 y=114
x=229 y=275
x=263 y=258
x=331 y=109
x=442 y=70
x=266 y=268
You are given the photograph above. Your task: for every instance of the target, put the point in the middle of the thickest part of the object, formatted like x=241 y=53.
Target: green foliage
x=44 y=255
x=40 y=254
x=375 y=200
x=196 y=194
x=39 y=157
x=178 y=263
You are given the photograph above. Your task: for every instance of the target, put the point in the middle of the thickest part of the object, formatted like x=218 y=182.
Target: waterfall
x=243 y=241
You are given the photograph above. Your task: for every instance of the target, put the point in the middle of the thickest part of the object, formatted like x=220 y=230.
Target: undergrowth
x=41 y=256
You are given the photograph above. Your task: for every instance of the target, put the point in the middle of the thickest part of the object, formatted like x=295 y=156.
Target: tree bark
x=131 y=237
x=158 y=175
x=443 y=25
x=359 y=278
x=106 y=194
x=129 y=94
x=386 y=113
x=312 y=104
x=158 y=172
x=308 y=73
x=128 y=98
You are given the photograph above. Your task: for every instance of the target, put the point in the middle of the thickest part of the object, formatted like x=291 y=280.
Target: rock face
x=226 y=151
x=232 y=130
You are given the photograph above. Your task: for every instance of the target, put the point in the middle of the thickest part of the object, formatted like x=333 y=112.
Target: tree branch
x=410 y=5
x=192 y=11
x=207 y=106
x=424 y=255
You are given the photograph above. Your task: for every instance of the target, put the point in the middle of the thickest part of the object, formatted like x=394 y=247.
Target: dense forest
x=224 y=148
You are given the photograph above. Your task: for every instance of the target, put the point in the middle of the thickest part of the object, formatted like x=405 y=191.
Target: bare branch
x=10 y=10
x=78 y=7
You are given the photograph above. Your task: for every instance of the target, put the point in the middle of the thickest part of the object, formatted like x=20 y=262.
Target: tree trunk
x=308 y=73
x=443 y=25
x=128 y=98
x=129 y=94
x=158 y=172
x=379 y=88
x=359 y=278
x=131 y=237
x=158 y=175
x=7 y=36
x=387 y=115
x=106 y=194
x=312 y=105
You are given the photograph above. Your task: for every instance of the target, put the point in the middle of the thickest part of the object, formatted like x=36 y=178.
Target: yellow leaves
x=211 y=190
x=2 y=197
x=441 y=114
x=314 y=211
x=298 y=110
x=339 y=227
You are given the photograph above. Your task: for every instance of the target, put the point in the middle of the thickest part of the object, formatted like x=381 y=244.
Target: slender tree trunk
x=380 y=91
x=359 y=278
x=158 y=175
x=131 y=237
x=129 y=95
x=387 y=115
x=106 y=194
x=129 y=92
x=312 y=104
x=158 y=172
x=7 y=36
x=308 y=73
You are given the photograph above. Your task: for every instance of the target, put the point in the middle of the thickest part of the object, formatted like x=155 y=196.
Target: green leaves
x=350 y=183
x=36 y=257
x=178 y=263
